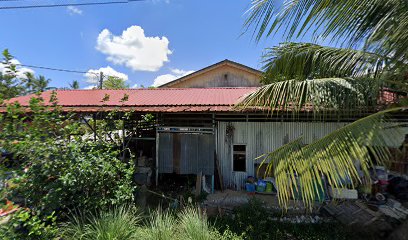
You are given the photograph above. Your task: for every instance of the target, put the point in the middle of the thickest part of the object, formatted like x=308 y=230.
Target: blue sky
x=179 y=36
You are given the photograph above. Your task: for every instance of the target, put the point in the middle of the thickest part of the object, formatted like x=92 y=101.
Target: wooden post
x=124 y=140
x=198 y=184
x=100 y=80
x=157 y=159
x=212 y=183
x=94 y=126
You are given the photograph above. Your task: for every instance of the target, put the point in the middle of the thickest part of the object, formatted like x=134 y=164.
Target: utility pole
x=100 y=80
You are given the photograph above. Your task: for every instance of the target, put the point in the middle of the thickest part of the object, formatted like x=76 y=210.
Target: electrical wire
x=64 y=5
x=65 y=70
x=52 y=69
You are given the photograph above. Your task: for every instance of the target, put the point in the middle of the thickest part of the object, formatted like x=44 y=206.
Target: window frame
x=232 y=157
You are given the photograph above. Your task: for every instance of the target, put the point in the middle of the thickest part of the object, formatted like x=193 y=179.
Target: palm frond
x=299 y=170
x=379 y=24
x=307 y=61
x=317 y=95
x=260 y=14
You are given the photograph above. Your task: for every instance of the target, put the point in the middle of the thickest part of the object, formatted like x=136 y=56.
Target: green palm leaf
x=307 y=61
x=379 y=25
x=317 y=95
x=300 y=169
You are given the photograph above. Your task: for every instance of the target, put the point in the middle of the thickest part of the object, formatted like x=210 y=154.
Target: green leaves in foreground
x=299 y=169
x=327 y=94
x=378 y=25
x=303 y=61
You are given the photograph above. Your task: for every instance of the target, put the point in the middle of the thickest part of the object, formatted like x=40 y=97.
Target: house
x=222 y=74
x=196 y=128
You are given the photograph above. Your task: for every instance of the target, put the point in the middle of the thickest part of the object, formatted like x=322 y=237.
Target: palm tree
x=369 y=52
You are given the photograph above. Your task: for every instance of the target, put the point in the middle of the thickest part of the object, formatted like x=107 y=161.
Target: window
x=239 y=158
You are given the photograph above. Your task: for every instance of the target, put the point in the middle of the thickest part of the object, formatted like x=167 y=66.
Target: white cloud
x=90 y=87
x=134 y=86
x=72 y=10
x=92 y=76
x=175 y=73
x=134 y=50
x=21 y=71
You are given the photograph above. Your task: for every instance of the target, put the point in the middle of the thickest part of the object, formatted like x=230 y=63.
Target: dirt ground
x=230 y=199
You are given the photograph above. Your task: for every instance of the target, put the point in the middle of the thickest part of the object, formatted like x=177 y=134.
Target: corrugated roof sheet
x=145 y=100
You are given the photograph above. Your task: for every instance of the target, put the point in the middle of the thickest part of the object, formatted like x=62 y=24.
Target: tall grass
x=124 y=223
x=161 y=225
x=194 y=225
x=114 y=224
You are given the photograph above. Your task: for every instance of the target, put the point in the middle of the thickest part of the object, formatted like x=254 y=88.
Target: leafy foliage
x=55 y=169
x=80 y=175
x=301 y=61
x=324 y=95
x=378 y=25
x=304 y=77
x=299 y=168
x=13 y=84
x=74 y=84
x=114 y=83
x=24 y=224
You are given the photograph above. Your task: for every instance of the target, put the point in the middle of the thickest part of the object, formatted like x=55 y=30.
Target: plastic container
x=269 y=187
x=261 y=186
x=250 y=187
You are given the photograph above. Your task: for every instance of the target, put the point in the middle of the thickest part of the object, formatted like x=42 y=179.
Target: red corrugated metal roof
x=145 y=100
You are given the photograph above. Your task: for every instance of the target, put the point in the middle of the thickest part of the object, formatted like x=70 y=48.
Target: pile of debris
x=380 y=212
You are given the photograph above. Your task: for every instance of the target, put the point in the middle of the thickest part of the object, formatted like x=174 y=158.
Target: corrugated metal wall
x=186 y=153
x=197 y=154
x=260 y=138
x=166 y=153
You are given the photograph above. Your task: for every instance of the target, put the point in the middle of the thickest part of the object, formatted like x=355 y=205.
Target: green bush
x=24 y=224
x=76 y=175
x=53 y=171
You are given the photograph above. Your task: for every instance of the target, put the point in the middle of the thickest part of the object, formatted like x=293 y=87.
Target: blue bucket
x=250 y=187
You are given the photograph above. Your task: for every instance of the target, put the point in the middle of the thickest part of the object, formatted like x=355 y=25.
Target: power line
x=101 y=76
x=64 y=5
x=53 y=69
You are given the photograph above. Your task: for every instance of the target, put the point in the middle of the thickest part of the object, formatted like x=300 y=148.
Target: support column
x=157 y=159
x=123 y=140
x=94 y=126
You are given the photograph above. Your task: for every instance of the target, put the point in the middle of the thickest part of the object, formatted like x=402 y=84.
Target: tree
x=74 y=84
x=13 y=83
x=9 y=84
x=35 y=85
x=370 y=52
x=114 y=83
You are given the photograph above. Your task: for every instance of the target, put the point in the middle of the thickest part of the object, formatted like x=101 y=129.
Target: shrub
x=77 y=175
x=25 y=224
